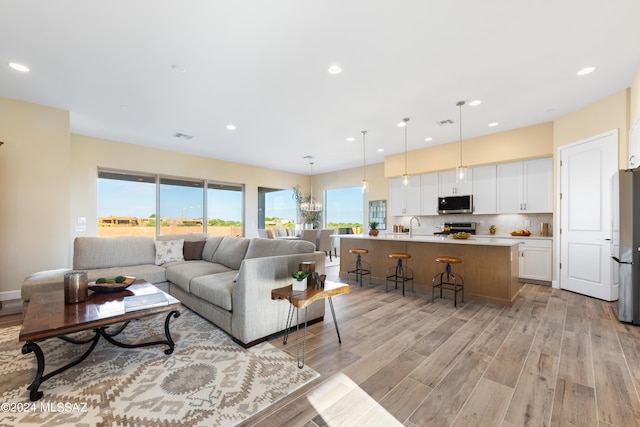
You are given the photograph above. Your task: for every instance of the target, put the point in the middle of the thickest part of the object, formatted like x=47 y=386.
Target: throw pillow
x=169 y=250
x=193 y=250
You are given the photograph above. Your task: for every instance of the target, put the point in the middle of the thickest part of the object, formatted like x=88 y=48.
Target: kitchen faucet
x=411 y=228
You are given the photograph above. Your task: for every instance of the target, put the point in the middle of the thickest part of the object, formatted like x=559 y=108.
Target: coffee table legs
x=40 y=377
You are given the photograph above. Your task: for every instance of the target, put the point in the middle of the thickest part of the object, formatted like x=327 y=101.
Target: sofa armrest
x=255 y=314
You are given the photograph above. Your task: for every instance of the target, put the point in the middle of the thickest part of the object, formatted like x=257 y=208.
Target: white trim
x=10 y=295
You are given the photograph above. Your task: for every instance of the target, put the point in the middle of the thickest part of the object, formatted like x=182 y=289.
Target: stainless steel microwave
x=455 y=204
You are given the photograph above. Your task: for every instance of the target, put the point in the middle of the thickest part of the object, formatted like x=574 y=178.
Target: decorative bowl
x=521 y=233
x=111 y=287
x=461 y=235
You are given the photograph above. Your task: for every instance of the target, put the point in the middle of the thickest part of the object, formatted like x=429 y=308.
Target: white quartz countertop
x=473 y=240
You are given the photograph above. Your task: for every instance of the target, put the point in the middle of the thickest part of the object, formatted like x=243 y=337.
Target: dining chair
x=325 y=243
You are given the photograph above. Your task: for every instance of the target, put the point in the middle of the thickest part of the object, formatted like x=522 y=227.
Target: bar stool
x=400 y=272
x=358 y=263
x=453 y=282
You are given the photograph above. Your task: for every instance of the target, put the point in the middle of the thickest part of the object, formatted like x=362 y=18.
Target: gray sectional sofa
x=227 y=280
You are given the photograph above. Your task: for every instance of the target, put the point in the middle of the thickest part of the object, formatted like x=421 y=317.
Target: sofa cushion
x=169 y=250
x=231 y=252
x=210 y=247
x=181 y=273
x=193 y=250
x=104 y=252
x=259 y=248
x=215 y=288
x=43 y=281
x=187 y=237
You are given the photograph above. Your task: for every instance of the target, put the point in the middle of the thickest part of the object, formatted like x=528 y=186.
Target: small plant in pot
x=373 y=228
x=300 y=282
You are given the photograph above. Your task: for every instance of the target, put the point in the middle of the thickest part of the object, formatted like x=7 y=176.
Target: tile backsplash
x=504 y=223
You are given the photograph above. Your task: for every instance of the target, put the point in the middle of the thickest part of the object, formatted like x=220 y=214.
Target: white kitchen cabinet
x=535 y=259
x=429 y=193
x=404 y=201
x=484 y=190
x=525 y=187
x=449 y=187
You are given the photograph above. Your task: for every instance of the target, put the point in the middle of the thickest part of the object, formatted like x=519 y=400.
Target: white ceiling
x=262 y=65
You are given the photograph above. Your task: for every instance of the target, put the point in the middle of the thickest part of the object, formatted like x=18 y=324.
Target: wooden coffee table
x=47 y=316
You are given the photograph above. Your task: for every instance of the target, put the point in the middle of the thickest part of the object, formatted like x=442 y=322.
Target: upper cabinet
x=525 y=187
x=449 y=187
x=484 y=190
x=404 y=201
x=429 y=183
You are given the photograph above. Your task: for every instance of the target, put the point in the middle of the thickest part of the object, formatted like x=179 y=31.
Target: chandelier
x=311 y=205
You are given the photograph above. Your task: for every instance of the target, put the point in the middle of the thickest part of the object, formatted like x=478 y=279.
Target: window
x=276 y=208
x=126 y=204
x=181 y=206
x=132 y=204
x=344 y=208
x=225 y=209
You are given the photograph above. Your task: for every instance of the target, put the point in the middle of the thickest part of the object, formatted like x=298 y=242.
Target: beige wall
x=518 y=144
x=604 y=115
x=88 y=154
x=634 y=99
x=34 y=191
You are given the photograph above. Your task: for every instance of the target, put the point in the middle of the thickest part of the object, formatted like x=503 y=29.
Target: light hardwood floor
x=553 y=358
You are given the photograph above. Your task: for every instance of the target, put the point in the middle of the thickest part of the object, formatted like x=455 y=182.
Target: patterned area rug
x=208 y=380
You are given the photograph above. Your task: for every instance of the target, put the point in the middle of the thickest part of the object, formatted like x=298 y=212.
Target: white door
x=585 y=216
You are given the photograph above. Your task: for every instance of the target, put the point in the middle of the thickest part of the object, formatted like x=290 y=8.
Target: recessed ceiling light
x=428 y=139
x=19 y=67
x=586 y=70
x=231 y=126
x=351 y=139
x=334 y=69
x=475 y=103
x=177 y=68
x=124 y=106
x=492 y=124
x=380 y=150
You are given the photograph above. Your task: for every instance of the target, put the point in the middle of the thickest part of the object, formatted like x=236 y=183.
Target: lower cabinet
x=535 y=259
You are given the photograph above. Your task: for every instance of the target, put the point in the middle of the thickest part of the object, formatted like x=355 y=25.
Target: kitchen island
x=489 y=266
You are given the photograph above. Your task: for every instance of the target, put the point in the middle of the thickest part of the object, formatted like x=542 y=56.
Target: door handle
x=607 y=239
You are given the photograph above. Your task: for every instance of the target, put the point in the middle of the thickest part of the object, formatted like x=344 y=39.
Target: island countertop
x=484 y=241
x=490 y=266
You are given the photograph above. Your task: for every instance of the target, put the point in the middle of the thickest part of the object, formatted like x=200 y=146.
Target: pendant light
x=461 y=171
x=311 y=205
x=365 y=183
x=405 y=176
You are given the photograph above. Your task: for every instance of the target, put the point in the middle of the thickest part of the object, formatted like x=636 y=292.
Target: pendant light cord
x=460 y=104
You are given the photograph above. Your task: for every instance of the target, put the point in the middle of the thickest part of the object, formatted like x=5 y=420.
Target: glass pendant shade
x=365 y=186
x=405 y=176
x=461 y=174
x=461 y=171
x=365 y=183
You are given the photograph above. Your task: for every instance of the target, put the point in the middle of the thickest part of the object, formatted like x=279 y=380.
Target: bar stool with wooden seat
x=401 y=272
x=453 y=281
x=357 y=266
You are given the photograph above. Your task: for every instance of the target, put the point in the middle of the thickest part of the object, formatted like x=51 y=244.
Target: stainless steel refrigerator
x=625 y=242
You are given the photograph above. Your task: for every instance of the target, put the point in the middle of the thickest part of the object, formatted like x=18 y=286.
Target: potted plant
x=300 y=282
x=373 y=228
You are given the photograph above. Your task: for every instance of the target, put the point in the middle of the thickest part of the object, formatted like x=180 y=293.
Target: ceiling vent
x=182 y=135
x=445 y=122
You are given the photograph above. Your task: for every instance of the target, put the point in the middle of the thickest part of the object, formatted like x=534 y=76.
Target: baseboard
x=10 y=295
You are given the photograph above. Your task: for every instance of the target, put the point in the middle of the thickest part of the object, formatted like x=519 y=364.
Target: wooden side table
x=303 y=299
